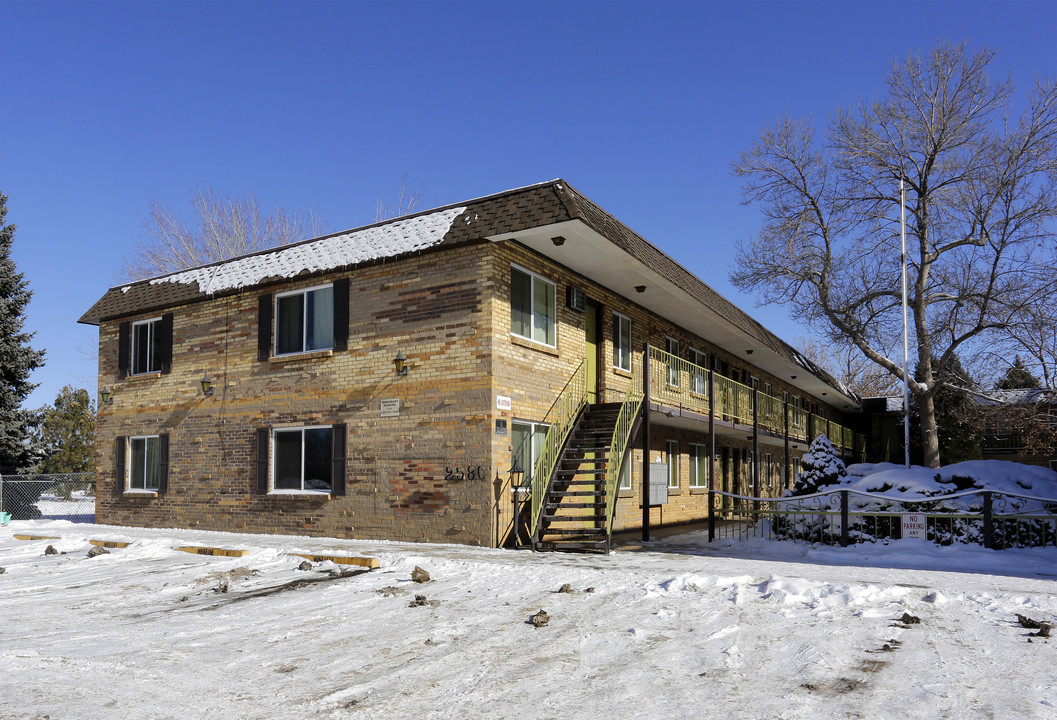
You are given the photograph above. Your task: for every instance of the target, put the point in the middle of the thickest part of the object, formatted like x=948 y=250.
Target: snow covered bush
x=1023 y=509
x=819 y=468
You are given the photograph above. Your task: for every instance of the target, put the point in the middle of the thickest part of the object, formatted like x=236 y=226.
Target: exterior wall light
x=207 y=385
x=640 y=288
x=749 y=351
x=400 y=363
x=558 y=241
x=108 y=397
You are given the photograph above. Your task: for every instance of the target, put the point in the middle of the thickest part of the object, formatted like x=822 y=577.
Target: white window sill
x=145 y=493
x=300 y=494
x=144 y=375
x=301 y=356
x=534 y=344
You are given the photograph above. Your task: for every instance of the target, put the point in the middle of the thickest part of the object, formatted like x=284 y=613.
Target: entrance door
x=592 y=339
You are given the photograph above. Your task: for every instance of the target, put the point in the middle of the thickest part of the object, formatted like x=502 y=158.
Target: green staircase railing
x=629 y=411
x=561 y=418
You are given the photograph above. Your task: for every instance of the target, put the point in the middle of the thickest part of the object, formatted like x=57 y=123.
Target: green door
x=591 y=341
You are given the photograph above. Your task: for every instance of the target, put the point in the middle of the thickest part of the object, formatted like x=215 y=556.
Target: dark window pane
x=289 y=324
x=318 y=450
x=137 y=448
x=320 y=319
x=288 y=460
x=520 y=304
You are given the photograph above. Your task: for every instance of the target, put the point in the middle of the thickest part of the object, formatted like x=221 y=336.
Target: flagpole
x=906 y=342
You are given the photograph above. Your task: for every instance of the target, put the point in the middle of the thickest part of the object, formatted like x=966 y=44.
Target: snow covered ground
x=676 y=628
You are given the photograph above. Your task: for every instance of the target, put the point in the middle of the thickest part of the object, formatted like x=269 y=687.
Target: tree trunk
x=930 y=442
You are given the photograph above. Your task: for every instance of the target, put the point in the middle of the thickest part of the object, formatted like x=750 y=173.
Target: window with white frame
x=302 y=459
x=621 y=342
x=625 y=474
x=671 y=451
x=768 y=469
x=796 y=470
x=533 y=313
x=698 y=383
x=304 y=320
x=698 y=465
x=144 y=463
x=528 y=438
x=146 y=336
x=671 y=345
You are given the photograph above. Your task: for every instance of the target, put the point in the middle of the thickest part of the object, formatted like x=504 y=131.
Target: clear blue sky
x=107 y=106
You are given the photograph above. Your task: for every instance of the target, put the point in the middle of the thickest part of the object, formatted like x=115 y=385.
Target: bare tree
x=981 y=200
x=220 y=227
x=846 y=363
x=407 y=201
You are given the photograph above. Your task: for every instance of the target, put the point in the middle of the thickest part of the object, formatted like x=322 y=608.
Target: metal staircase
x=574 y=513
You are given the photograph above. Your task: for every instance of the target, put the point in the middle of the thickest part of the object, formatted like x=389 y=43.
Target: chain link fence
x=69 y=496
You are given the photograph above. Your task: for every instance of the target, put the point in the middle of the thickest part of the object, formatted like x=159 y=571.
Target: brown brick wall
x=449 y=313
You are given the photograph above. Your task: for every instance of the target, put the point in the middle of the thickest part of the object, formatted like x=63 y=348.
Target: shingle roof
x=507 y=212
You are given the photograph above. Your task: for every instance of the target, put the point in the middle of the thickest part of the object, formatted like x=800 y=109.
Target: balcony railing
x=675 y=382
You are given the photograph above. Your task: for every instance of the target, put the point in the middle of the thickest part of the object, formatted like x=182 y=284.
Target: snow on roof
x=372 y=243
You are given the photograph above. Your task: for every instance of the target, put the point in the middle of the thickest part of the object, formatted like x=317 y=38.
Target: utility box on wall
x=658 y=483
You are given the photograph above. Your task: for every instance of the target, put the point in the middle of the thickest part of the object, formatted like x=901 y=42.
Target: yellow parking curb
x=224 y=552
x=20 y=536
x=341 y=559
x=109 y=543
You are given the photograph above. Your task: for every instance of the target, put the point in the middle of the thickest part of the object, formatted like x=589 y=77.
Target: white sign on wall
x=502 y=402
x=914 y=526
x=391 y=407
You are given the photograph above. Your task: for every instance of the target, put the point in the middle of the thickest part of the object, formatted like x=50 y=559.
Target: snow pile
x=373 y=243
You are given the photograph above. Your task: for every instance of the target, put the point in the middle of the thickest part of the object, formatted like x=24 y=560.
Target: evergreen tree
x=68 y=433
x=956 y=428
x=819 y=468
x=1017 y=377
x=18 y=451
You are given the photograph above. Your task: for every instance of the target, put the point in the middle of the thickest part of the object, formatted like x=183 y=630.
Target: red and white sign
x=502 y=402
x=914 y=526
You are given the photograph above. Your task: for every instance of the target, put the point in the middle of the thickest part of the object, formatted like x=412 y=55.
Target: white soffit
x=595 y=257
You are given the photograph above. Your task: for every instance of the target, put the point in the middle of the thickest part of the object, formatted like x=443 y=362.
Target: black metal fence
x=843 y=517
x=69 y=496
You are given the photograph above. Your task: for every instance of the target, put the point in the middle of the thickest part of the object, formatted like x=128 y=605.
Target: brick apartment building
x=379 y=383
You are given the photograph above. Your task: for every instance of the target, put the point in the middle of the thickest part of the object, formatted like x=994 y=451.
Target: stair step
x=571 y=493
x=549 y=521
x=596 y=505
x=597 y=546
x=586 y=532
x=580 y=471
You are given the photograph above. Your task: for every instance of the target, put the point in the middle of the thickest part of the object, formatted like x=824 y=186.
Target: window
x=768 y=468
x=304 y=320
x=528 y=440
x=697 y=382
x=621 y=342
x=796 y=470
x=143 y=463
x=671 y=450
x=625 y=475
x=698 y=466
x=532 y=307
x=145 y=346
x=754 y=382
x=671 y=345
x=302 y=459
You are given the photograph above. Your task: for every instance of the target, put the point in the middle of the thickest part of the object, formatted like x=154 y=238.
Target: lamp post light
x=517 y=475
